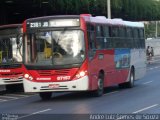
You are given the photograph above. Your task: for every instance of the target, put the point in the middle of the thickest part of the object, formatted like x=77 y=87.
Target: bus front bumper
x=11 y=80
x=81 y=84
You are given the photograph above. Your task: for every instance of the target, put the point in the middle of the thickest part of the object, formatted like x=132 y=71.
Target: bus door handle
x=100 y=56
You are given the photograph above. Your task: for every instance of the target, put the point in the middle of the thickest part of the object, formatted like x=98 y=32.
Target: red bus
x=81 y=53
x=11 y=55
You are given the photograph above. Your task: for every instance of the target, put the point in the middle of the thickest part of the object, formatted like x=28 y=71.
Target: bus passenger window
x=115 y=32
x=91 y=36
x=99 y=31
x=136 y=38
x=107 y=34
x=129 y=35
x=122 y=32
x=91 y=40
x=141 y=33
x=106 y=31
x=99 y=37
x=100 y=43
x=115 y=37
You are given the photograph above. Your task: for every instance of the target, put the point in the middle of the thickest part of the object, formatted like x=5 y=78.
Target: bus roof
x=10 y=29
x=51 y=17
x=10 y=26
x=104 y=20
x=96 y=19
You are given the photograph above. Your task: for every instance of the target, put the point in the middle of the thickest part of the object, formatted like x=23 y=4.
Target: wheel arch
x=101 y=72
x=133 y=68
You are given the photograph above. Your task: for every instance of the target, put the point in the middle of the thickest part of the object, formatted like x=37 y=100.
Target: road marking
x=154 y=60
x=11 y=98
x=8 y=97
x=34 y=113
x=2 y=100
x=111 y=93
x=153 y=68
x=19 y=95
x=145 y=108
x=147 y=82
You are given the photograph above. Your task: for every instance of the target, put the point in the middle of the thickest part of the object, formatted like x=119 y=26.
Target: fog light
x=73 y=86
x=34 y=88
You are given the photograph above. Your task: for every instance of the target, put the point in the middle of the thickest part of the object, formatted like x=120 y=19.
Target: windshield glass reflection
x=56 y=47
x=10 y=49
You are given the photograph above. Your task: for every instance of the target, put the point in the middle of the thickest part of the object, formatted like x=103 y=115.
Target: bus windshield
x=10 y=49
x=55 y=48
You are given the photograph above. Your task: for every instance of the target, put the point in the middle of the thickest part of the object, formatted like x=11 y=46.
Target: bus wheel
x=100 y=89
x=130 y=84
x=45 y=95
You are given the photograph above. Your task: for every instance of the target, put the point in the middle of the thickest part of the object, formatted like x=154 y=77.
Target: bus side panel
x=110 y=71
x=124 y=75
x=122 y=64
x=102 y=60
x=138 y=60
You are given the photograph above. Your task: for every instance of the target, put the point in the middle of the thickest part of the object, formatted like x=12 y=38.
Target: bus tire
x=130 y=83
x=45 y=95
x=100 y=89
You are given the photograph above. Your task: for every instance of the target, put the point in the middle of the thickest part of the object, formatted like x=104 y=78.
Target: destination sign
x=54 y=23
x=37 y=24
x=64 y=22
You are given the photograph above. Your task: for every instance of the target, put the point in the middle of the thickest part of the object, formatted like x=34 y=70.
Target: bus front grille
x=12 y=80
x=53 y=72
x=12 y=74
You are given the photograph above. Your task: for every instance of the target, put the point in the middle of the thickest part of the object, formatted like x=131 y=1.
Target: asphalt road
x=144 y=98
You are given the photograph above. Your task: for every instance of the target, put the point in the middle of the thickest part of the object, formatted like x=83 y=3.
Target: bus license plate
x=52 y=86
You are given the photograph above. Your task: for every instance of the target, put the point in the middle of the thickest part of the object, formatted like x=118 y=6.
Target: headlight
x=82 y=73
x=26 y=75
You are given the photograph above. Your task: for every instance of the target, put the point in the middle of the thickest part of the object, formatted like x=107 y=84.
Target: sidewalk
x=154 y=59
